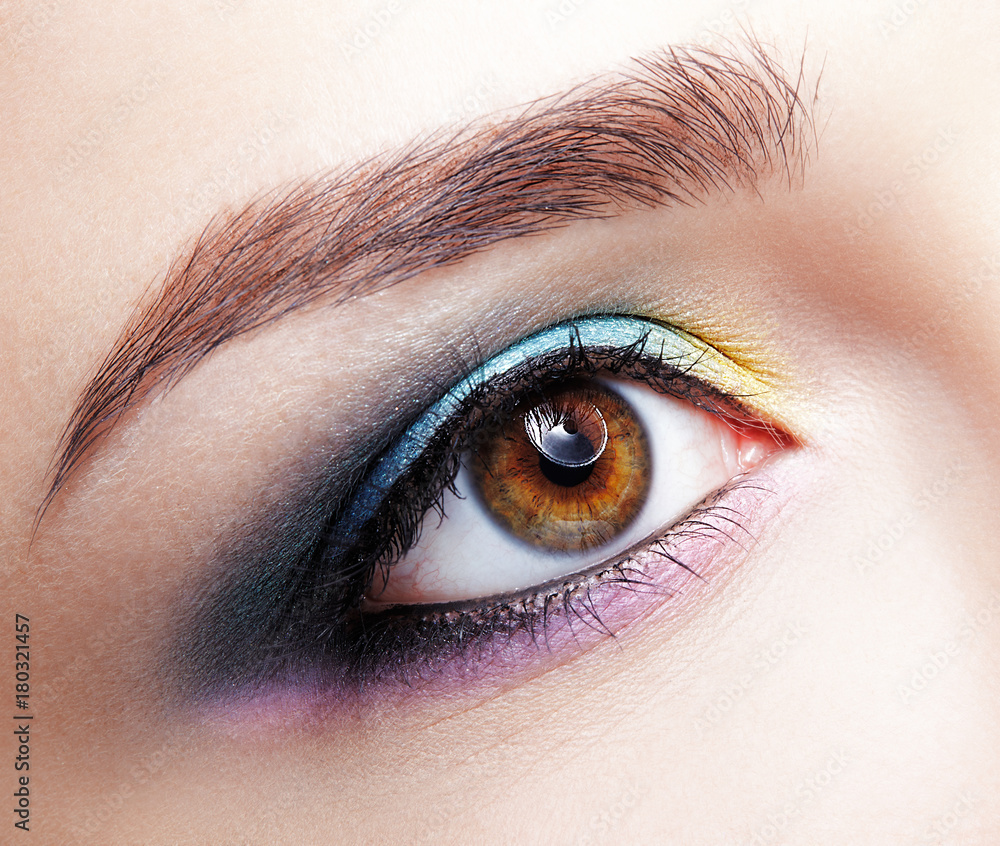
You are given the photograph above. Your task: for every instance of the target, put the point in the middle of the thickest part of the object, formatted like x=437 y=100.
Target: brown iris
x=568 y=471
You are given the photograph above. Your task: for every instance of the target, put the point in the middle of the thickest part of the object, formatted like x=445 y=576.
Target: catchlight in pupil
x=569 y=440
x=567 y=472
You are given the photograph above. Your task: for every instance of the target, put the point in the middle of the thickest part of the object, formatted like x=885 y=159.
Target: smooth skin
x=840 y=685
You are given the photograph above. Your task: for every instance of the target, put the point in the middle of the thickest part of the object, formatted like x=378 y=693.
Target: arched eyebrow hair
x=677 y=127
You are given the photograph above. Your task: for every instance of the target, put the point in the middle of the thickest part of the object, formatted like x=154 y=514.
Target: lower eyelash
x=402 y=644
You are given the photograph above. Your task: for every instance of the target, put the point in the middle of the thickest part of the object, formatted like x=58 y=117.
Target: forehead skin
x=845 y=682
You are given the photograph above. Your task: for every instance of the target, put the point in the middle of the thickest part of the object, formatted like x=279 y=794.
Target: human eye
x=564 y=471
x=544 y=487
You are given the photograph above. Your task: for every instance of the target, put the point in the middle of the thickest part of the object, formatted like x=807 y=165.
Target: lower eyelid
x=496 y=636
x=382 y=660
x=471 y=650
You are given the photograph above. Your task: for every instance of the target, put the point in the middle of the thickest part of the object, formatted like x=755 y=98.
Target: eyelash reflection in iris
x=567 y=471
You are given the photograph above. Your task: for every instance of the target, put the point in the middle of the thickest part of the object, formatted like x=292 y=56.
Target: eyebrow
x=680 y=125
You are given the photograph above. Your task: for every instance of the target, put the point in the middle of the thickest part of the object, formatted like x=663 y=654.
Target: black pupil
x=567 y=457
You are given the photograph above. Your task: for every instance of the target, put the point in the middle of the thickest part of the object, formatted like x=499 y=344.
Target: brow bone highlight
x=684 y=124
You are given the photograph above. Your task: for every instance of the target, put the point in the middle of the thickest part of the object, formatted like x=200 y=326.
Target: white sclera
x=469 y=555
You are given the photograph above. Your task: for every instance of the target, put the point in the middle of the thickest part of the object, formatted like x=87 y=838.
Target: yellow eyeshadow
x=748 y=369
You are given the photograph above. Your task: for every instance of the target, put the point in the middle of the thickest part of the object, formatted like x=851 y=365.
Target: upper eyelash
x=387 y=532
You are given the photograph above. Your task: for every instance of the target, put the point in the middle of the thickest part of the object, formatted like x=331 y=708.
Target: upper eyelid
x=686 y=123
